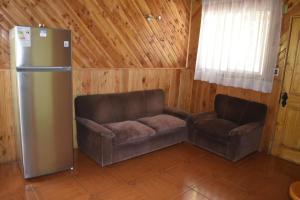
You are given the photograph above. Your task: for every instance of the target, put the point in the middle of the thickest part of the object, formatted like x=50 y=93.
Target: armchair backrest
x=107 y=108
x=238 y=110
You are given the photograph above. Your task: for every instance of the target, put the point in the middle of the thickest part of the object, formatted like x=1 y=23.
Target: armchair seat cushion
x=216 y=128
x=163 y=122
x=129 y=132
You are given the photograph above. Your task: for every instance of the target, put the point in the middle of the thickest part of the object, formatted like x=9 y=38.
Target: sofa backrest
x=238 y=110
x=107 y=108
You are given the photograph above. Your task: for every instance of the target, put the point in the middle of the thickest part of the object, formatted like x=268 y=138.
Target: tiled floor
x=178 y=172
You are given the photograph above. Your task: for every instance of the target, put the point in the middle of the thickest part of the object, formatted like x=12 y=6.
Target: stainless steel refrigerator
x=42 y=94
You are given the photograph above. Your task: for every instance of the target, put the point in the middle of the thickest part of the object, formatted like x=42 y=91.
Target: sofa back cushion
x=107 y=108
x=238 y=110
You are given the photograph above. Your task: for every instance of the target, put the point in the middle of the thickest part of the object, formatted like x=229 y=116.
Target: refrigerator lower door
x=45 y=107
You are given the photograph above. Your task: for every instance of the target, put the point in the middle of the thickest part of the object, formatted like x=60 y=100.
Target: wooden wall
x=115 y=49
x=177 y=83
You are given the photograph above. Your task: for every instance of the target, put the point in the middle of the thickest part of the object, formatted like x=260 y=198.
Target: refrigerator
x=41 y=76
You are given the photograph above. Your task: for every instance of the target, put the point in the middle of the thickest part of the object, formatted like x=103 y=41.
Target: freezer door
x=42 y=47
x=45 y=106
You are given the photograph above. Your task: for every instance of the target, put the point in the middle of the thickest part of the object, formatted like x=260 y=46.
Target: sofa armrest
x=95 y=127
x=246 y=128
x=176 y=112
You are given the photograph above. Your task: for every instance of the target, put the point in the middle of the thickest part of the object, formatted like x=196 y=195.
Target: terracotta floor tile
x=132 y=169
x=270 y=166
x=181 y=171
x=98 y=182
x=191 y=195
x=275 y=187
x=219 y=165
x=24 y=192
x=188 y=174
x=174 y=155
x=62 y=187
x=156 y=187
x=219 y=188
x=121 y=192
x=255 y=178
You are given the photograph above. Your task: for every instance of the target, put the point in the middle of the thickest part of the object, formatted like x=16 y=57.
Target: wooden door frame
x=282 y=79
x=287 y=48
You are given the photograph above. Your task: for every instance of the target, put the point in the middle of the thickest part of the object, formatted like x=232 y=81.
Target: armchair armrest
x=244 y=140
x=197 y=118
x=176 y=112
x=246 y=128
x=95 y=127
x=203 y=116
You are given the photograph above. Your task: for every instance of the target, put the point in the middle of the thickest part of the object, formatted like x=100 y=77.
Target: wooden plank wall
x=176 y=83
x=114 y=49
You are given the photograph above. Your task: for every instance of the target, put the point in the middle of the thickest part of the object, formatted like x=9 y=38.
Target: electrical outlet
x=276 y=71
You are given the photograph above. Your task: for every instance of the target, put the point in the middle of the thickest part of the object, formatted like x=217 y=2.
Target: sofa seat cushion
x=216 y=128
x=129 y=132
x=162 y=123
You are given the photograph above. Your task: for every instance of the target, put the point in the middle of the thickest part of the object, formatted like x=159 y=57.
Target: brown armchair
x=233 y=130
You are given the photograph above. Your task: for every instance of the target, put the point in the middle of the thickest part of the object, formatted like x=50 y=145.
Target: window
x=238 y=43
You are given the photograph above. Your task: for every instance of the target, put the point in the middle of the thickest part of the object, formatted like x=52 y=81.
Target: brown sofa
x=116 y=127
x=233 y=130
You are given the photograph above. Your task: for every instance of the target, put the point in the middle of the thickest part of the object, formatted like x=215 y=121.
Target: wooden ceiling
x=107 y=34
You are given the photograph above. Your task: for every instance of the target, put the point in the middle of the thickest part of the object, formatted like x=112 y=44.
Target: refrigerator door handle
x=41 y=69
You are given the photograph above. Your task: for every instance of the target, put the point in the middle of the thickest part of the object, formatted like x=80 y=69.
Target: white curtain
x=239 y=42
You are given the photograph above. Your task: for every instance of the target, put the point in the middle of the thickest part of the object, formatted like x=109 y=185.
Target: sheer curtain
x=239 y=42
